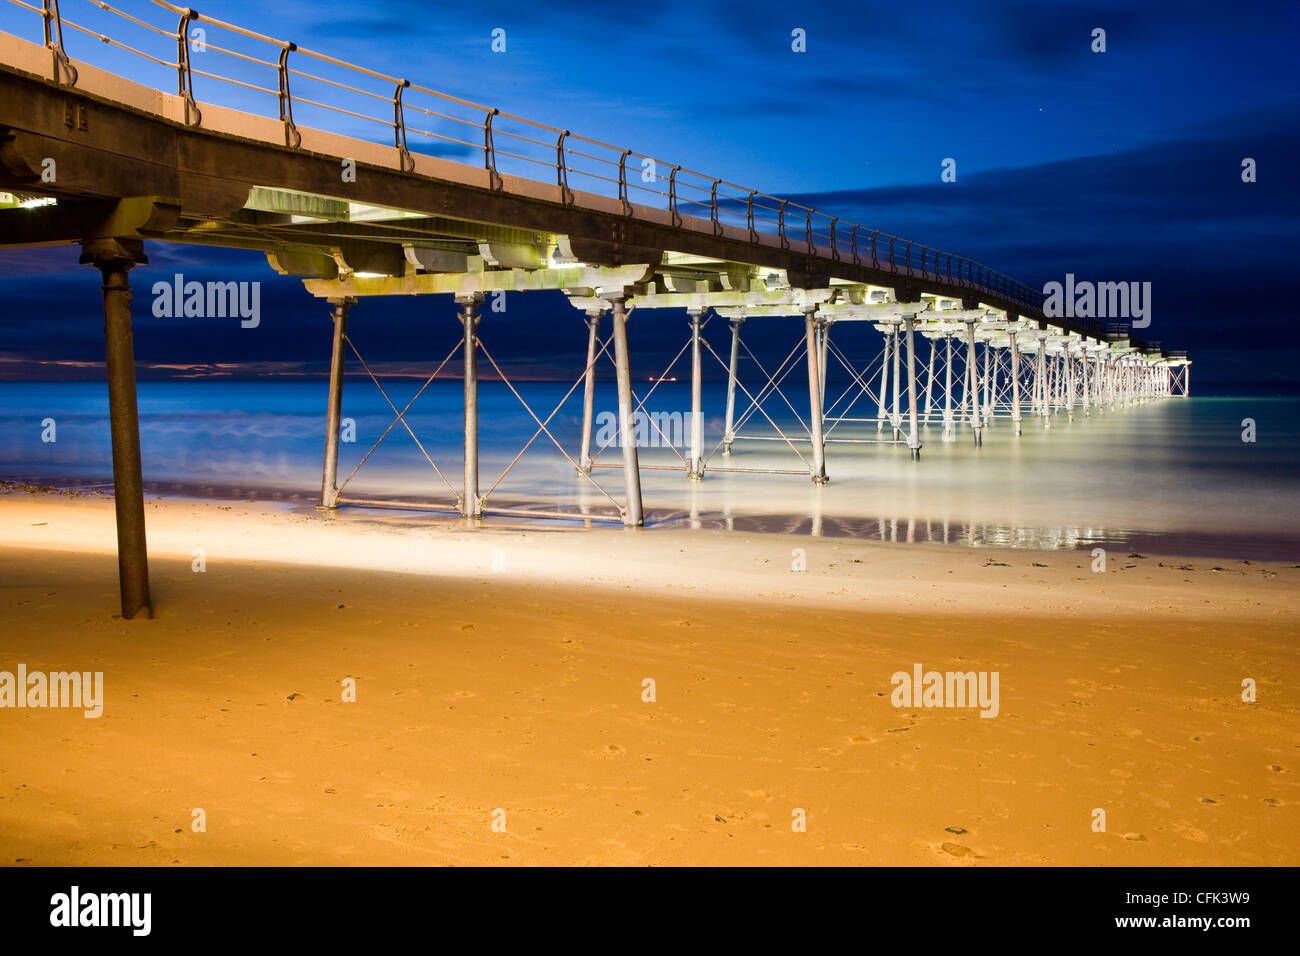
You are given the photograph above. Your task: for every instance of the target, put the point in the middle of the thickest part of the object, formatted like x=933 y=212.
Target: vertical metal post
x=1087 y=387
x=695 y=470
x=988 y=382
x=895 y=417
x=1044 y=403
x=729 y=435
x=947 y=391
x=814 y=398
x=1068 y=361
x=470 y=506
x=971 y=363
x=823 y=350
x=1015 y=382
x=884 y=385
x=632 y=516
x=929 y=383
x=329 y=495
x=589 y=389
x=114 y=259
x=914 y=433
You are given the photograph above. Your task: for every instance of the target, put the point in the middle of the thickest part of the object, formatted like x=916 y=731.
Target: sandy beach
x=500 y=673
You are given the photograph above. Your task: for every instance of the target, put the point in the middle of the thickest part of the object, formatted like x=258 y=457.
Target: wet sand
x=502 y=669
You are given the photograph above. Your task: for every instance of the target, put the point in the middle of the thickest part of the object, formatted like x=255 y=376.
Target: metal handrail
x=955 y=270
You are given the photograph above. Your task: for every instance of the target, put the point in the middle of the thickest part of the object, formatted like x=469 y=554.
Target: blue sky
x=1115 y=165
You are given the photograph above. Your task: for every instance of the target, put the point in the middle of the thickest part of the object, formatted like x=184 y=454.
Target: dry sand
x=503 y=668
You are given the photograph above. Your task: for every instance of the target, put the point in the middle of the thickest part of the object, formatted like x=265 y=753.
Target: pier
x=628 y=237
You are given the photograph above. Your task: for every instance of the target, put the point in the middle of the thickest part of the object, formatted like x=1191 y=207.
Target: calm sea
x=1173 y=477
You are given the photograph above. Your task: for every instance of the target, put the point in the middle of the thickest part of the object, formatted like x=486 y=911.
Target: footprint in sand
x=1192 y=833
x=958 y=850
x=1276 y=769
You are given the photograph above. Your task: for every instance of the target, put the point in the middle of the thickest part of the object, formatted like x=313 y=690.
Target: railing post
x=62 y=67
x=807 y=233
x=562 y=174
x=399 y=128
x=713 y=208
x=622 y=183
x=185 y=76
x=835 y=255
x=780 y=224
x=489 y=151
x=291 y=135
x=749 y=216
x=672 y=198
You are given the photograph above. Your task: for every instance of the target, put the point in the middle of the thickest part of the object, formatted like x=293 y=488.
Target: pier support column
x=988 y=383
x=1087 y=388
x=729 y=434
x=815 y=399
x=823 y=350
x=896 y=416
x=696 y=463
x=114 y=258
x=947 y=391
x=470 y=506
x=329 y=494
x=929 y=383
x=1015 y=383
x=884 y=386
x=589 y=389
x=1044 y=397
x=633 y=517
x=914 y=433
x=1068 y=361
x=973 y=388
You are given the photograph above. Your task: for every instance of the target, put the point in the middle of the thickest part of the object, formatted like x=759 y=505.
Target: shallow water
x=1171 y=477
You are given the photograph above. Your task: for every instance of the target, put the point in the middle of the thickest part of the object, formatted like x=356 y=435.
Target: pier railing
x=281 y=80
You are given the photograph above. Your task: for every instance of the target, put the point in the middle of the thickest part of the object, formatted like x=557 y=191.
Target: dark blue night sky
x=1123 y=165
